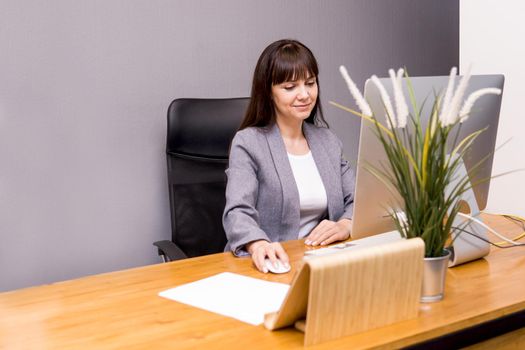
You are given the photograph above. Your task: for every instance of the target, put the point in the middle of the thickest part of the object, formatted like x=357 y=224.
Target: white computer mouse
x=278 y=268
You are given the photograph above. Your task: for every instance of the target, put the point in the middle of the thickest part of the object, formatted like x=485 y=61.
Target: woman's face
x=295 y=100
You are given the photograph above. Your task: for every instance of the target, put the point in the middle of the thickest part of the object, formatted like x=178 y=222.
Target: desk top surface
x=122 y=309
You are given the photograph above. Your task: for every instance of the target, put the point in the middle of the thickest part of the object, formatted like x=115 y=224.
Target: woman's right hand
x=260 y=250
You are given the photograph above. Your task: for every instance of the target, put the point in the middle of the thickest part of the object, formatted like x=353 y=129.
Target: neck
x=290 y=130
x=293 y=137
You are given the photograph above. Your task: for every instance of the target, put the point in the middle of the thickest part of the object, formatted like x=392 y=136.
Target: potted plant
x=421 y=165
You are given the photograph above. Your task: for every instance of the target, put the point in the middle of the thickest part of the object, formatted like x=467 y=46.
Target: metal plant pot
x=434 y=273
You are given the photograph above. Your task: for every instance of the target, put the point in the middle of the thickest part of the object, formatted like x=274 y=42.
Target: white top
x=312 y=194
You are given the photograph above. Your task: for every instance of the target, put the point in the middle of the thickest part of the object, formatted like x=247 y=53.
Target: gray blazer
x=262 y=200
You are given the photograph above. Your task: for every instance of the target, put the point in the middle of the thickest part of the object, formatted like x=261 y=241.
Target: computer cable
x=513 y=218
x=516 y=219
x=488 y=241
x=505 y=239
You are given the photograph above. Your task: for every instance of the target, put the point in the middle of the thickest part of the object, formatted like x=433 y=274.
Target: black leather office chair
x=198 y=141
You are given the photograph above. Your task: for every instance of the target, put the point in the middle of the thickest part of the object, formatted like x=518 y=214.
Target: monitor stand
x=467 y=247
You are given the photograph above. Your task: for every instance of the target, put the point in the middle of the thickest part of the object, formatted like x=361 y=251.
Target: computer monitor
x=373 y=203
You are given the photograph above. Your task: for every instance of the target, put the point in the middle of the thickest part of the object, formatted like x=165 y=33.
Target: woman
x=287 y=178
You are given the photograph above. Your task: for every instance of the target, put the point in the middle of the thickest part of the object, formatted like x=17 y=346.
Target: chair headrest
x=204 y=127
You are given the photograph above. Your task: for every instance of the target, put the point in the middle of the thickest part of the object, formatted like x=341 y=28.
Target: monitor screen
x=373 y=202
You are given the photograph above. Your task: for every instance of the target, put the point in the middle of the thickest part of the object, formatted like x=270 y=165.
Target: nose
x=303 y=92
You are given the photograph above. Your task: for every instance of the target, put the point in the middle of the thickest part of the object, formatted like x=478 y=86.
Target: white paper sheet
x=244 y=298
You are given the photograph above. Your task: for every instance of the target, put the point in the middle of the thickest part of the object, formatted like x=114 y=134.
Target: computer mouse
x=278 y=268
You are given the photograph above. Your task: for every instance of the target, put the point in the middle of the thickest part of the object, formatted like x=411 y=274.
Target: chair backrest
x=197 y=148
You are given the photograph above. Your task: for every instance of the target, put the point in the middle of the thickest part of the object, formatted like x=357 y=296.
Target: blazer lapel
x=330 y=176
x=291 y=212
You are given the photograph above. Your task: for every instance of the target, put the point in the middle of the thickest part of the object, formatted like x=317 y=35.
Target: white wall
x=492 y=36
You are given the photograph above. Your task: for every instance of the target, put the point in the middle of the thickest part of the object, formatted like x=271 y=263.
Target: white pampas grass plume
x=467 y=106
x=391 y=117
x=452 y=115
x=359 y=99
x=445 y=106
x=403 y=109
x=399 y=97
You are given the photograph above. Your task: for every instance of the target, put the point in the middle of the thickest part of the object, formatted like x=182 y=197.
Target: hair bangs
x=293 y=63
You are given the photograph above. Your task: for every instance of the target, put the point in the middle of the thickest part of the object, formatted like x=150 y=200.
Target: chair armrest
x=169 y=251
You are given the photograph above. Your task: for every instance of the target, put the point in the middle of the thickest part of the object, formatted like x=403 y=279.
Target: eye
x=289 y=87
x=311 y=83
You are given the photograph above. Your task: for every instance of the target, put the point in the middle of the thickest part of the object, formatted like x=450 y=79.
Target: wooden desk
x=122 y=309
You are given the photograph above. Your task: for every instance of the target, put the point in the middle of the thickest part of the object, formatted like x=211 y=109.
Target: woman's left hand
x=329 y=231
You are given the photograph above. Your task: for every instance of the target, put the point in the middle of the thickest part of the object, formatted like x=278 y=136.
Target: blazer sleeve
x=348 y=184
x=241 y=218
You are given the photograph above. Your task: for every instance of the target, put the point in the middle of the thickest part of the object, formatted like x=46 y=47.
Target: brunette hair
x=283 y=60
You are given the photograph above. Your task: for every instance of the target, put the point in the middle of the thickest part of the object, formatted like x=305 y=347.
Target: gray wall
x=84 y=88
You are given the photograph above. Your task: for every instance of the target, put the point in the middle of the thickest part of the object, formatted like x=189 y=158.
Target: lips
x=303 y=106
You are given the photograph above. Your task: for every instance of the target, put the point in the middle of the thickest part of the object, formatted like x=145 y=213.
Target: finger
x=333 y=238
x=320 y=228
x=255 y=261
x=281 y=254
x=259 y=256
x=270 y=252
x=339 y=233
x=313 y=238
x=325 y=235
x=318 y=231
x=321 y=235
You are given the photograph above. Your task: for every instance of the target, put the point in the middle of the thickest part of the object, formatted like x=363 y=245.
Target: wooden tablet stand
x=353 y=291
